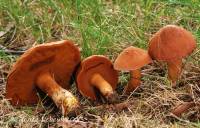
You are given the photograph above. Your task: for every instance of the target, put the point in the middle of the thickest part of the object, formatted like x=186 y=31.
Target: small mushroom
x=48 y=67
x=97 y=72
x=132 y=59
x=171 y=44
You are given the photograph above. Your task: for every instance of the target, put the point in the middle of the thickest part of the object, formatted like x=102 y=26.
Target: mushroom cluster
x=49 y=67
x=170 y=44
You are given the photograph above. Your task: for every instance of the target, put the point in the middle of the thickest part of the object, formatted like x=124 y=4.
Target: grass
x=102 y=27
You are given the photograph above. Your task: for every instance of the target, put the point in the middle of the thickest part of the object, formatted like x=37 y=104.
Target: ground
x=103 y=27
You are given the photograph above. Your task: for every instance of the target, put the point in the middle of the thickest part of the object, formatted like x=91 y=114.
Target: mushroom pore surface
x=95 y=64
x=58 y=58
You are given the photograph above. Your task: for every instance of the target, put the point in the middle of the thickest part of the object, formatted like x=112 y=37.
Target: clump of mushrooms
x=97 y=72
x=48 y=67
x=171 y=44
x=132 y=59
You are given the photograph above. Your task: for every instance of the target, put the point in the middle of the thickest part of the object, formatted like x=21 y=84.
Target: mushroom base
x=131 y=86
x=104 y=87
x=134 y=81
x=63 y=99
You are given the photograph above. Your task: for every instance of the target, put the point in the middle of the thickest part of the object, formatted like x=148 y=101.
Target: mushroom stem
x=134 y=81
x=103 y=86
x=63 y=99
x=174 y=70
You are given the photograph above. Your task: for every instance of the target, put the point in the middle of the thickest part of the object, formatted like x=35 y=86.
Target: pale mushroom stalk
x=134 y=82
x=63 y=99
x=104 y=87
x=174 y=70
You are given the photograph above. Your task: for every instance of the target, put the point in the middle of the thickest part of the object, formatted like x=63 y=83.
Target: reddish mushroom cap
x=132 y=58
x=60 y=58
x=171 y=42
x=91 y=65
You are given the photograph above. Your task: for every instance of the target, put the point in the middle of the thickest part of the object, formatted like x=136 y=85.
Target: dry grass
x=151 y=107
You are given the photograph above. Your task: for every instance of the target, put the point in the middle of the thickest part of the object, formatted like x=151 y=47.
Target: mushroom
x=48 y=67
x=97 y=72
x=132 y=59
x=171 y=44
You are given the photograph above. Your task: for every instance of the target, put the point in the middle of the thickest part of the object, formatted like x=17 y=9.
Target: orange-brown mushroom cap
x=132 y=58
x=171 y=42
x=90 y=66
x=59 y=58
